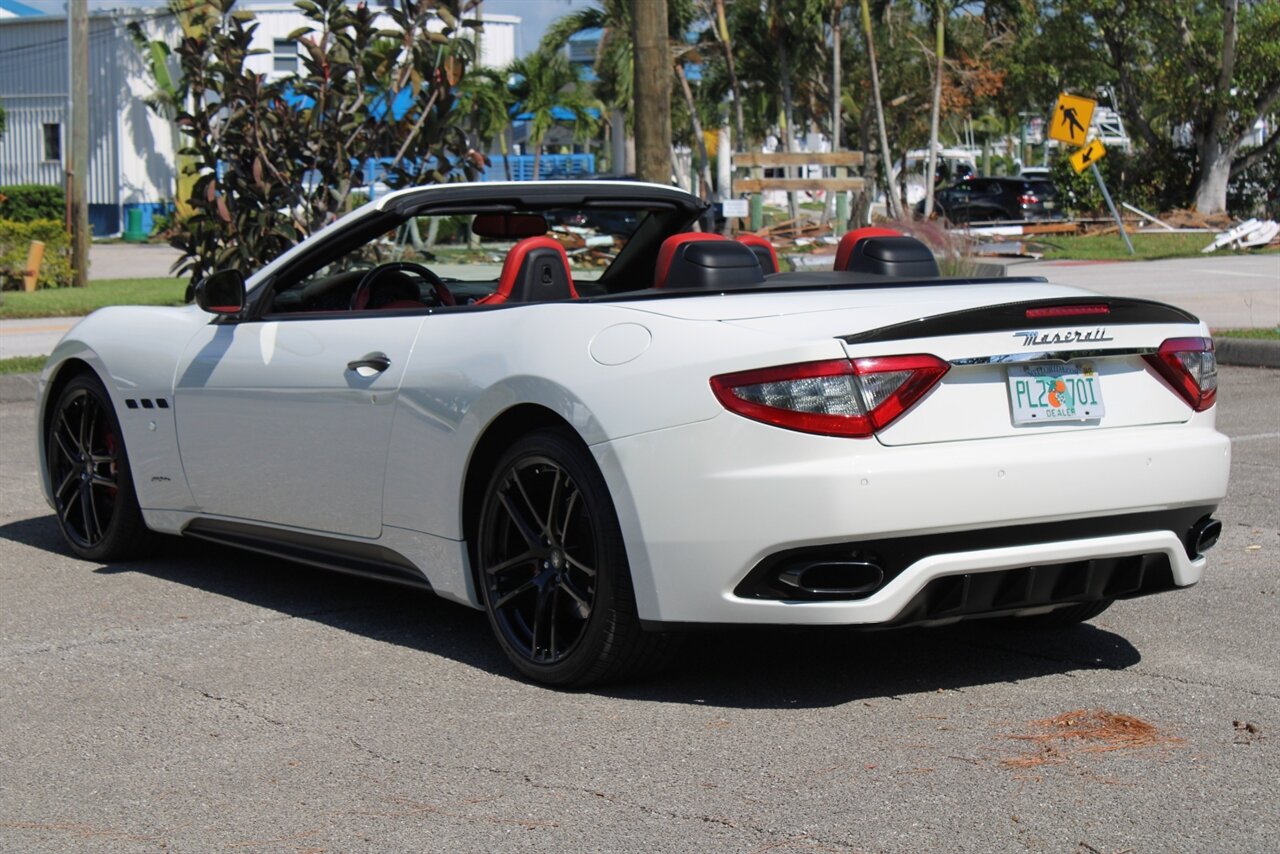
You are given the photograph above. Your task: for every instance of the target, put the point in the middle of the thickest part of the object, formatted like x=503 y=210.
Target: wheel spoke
x=103 y=480
x=511 y=563
x=527 y=531
x=528 y=502
x=551 y=639
x=568 y=513
x=551 y=505
x=542 y=617
x=88 y=513
x=74 y=500
x=584 y=607
x=68 y=479
x=579 y=565
x=519 y=591
x=69 y=453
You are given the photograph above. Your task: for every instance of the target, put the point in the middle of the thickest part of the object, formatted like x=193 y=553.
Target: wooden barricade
x=838 y=163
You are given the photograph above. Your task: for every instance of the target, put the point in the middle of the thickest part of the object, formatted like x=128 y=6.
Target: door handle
x=376 y=362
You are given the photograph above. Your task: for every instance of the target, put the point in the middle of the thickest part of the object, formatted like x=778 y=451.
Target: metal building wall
x=33 y=89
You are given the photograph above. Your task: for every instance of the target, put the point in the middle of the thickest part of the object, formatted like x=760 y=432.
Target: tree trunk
x=788 y=111
x=931 y=169
x=722 y=27
x=1216 y=151
x=700 y=140
x=886 y=157
x=652 y=87
x=537 y=160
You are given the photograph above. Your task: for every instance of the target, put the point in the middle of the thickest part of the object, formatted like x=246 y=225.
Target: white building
x=131 y=149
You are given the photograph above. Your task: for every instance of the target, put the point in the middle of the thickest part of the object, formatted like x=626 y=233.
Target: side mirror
x=221 y=292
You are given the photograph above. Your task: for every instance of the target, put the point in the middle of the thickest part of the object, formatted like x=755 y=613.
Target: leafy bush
x=15 y=241
x=274 y=159
x=29 y=202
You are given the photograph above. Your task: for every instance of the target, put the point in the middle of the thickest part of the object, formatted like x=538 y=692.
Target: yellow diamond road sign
x=1085 y=157
x=1070 y=120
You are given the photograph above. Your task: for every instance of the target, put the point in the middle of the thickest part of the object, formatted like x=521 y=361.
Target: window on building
x=284 y=56
x=53 y=142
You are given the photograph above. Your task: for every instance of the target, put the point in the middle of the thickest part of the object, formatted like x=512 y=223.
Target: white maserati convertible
x=557 y=403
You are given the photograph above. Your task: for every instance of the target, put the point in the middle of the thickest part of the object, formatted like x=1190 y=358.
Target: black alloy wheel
x=553 y=570
x=93 y=494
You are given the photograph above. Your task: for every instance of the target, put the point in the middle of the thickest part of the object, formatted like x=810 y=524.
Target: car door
x=287 y=420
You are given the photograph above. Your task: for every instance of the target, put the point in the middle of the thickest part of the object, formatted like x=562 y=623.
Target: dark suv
x=981 y=199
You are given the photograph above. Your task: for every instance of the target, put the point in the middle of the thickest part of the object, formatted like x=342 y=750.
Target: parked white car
x=601 y=442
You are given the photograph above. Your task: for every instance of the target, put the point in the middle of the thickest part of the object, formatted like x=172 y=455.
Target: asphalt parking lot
x=209 y=700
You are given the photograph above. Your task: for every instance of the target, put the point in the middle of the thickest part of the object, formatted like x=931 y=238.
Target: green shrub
x=29 y=202
x=15 y=241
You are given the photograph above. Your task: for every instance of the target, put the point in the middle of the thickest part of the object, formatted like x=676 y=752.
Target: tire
x=1063 y=618
x=555 y=581
x=88 y=467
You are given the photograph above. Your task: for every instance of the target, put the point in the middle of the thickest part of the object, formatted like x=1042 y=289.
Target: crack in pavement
x=240 y=704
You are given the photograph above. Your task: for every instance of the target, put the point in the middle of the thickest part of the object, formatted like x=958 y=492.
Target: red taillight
x=1029 y=199
x=1067 y=310
x=1188 y=364
x=841 y=397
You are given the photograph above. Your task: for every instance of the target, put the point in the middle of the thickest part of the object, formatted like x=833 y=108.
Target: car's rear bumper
x=704 y=505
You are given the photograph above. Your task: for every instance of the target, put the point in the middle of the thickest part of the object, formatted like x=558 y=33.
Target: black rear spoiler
x=1031 y=316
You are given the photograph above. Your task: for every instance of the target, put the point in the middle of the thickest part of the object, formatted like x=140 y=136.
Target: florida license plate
x=1041 y=393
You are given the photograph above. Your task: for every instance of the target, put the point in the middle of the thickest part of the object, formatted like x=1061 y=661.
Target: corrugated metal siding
x=33 y=80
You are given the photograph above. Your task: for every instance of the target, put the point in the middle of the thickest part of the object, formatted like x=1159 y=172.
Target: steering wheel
x=360 y=297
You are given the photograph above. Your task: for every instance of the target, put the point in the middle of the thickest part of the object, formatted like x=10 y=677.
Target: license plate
x=1049 y=205
x=1041 y=393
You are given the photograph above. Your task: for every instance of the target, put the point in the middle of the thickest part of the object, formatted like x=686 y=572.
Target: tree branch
x=1255 y=155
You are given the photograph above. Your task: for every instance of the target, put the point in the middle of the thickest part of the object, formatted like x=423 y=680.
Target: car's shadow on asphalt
x=740 y=668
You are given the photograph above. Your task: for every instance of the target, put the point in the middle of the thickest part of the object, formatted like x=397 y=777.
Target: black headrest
x=542 y=276
x=893 y=256
x=712 y=265
x=764 y=256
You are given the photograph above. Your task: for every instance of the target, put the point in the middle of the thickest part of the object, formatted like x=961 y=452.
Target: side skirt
x=364 y=559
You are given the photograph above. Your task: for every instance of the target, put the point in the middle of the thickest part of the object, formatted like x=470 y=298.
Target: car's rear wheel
x=93 y=495
x=553 y=569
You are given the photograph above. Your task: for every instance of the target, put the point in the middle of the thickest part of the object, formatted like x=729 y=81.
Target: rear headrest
x=712 y=265
x=668 y=251
x=845 y=249
x=905 y=257
x=763 y=249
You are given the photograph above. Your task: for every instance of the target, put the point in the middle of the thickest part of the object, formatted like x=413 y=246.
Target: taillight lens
x=1188 y=364
x=1029 y=199
x=841 y=397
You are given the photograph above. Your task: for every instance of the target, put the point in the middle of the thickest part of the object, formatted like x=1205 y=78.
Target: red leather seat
x=669 y=248
x=845 y=250
x=535 y=270
x=764 y=251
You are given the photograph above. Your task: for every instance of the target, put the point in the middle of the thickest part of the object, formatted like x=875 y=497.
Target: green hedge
x=15 y=241
x=30 y=202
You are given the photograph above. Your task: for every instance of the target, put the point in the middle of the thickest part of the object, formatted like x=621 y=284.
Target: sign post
x=1070 y=124
x=1110 y=204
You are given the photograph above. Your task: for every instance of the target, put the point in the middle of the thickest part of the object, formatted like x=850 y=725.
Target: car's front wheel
x=93 y=495
x=553 y=569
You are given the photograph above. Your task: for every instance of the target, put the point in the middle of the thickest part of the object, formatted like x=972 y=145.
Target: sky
x=536 y=15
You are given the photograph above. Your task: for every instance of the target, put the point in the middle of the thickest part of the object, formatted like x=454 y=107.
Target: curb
x=1241 y=352
x=1247 y=352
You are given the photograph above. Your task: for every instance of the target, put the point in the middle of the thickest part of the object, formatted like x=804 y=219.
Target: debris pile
x=1088 y=731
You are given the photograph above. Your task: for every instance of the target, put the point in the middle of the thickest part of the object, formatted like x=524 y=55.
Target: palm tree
x=485 y=101
x=542 y=82
x=886 y=157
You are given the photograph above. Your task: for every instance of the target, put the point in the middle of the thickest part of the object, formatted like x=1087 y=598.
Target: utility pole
x=79 y=154
x=652 y=88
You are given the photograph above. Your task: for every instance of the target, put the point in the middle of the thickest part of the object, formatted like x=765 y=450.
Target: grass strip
x=1258 y=334
x=22 y=365
x=76 y=302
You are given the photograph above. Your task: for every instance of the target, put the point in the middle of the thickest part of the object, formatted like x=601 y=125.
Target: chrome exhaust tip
x=1203 y=536
x=834 y=578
